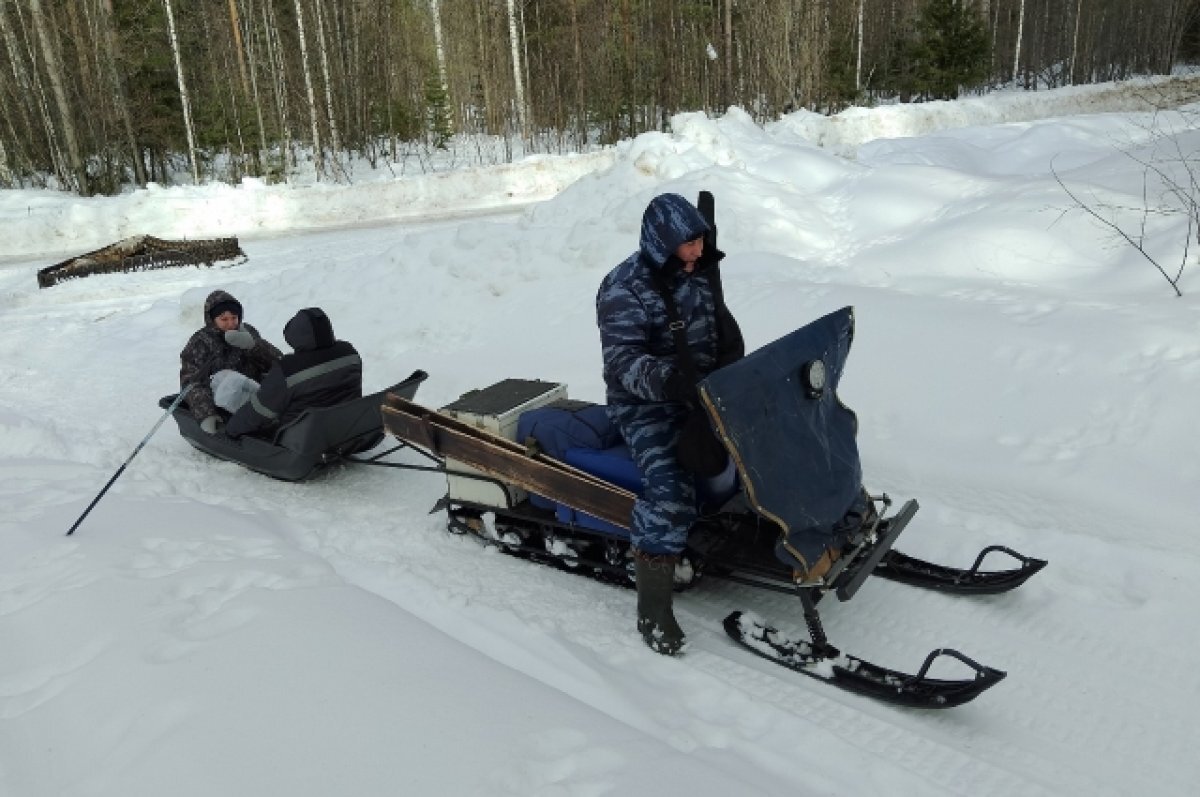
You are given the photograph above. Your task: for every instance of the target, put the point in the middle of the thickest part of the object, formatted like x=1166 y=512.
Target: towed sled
x=316 y=438
x=544 y=477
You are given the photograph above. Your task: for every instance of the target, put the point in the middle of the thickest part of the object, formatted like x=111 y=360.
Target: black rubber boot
x=655 y=590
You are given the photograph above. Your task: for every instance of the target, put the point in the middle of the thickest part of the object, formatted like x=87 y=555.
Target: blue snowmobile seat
x=562 y=425
x=580 y=434
x=613 y=464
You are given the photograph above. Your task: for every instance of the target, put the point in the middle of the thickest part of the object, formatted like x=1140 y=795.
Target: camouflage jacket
x=637 y=345
x=207 y=352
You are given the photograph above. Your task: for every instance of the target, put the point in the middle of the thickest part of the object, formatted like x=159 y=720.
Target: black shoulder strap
x=678 y=330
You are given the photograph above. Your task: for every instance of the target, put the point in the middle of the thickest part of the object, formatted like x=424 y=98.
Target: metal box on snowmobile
x=495 y=409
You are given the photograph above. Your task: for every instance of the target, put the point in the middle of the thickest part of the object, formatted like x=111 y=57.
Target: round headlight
x=813 y=374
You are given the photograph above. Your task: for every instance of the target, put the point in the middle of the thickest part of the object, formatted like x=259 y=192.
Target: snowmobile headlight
x=813 y=376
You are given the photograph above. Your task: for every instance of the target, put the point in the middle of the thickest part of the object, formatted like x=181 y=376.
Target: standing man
x=647 y=393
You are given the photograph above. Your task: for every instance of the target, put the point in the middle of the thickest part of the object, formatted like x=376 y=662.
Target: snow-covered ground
x=1025 y=374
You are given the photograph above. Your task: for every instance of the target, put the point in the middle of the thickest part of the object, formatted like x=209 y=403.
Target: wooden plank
x=506 y=460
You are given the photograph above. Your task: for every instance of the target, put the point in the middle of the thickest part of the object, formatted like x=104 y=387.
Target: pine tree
x=948 y=51
x=437 y=112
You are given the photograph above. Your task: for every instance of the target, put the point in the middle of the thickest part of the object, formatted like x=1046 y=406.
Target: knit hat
x=227 y=306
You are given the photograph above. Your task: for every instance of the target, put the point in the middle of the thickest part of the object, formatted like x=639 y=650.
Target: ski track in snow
x=889 y=623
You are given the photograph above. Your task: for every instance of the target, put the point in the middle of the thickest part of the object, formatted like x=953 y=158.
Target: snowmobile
x=545 y=477
x=315 y=439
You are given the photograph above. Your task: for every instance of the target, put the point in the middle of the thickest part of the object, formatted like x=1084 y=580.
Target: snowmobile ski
x=905 y=569
x=858 y=675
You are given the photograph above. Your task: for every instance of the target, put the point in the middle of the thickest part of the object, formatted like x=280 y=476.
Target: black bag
x=700 y=451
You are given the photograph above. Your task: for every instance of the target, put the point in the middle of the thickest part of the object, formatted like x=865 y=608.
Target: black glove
x=240 y=338
x=676 y=388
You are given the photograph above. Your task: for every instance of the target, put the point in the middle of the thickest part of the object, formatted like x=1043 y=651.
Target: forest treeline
x=99 y=94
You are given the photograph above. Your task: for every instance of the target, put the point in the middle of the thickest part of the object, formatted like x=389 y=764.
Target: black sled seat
x=315 y=439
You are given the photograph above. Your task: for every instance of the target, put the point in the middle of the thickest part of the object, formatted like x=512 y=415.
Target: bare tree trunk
x=252 y=54
x=58 y=87
x=811 y=49
x=518 y=81
x=318 y=151
x=524 y=38
x=23 y=87
x=1075 y=43
x=6 y=174
x=484 y=118
x=279 y=83
x=439 y=46
x=859 y=57
x=85 y=75
x=120 y=92
x=728 y=83
x=183 y=93
x=235 y=25
x=335 y=142
x=20 y=159
x=1017 y=50
x=62 y=169
x=580 y=90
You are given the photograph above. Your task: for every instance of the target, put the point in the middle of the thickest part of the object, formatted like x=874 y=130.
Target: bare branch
x=1137 y=245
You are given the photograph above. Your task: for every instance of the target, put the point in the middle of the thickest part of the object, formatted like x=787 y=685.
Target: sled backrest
x=344 y=429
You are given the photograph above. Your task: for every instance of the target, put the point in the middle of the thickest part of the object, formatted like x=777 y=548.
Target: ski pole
x=121 y=469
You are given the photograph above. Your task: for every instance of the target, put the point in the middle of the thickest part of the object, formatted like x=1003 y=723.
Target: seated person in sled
x=321 y=372
x=225 y=356
x=663 y=327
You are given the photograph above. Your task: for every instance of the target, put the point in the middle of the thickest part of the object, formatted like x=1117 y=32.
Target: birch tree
x=235 y=26
x=318 y=151
x=54 y=71
x=22 y=86
x=518 y=82
x=184 y=97
x=279 y=84
x=439 y=44
x=253 y=73
x=859 y=54
x=727 y=85
x=6 y=173
x=1017 y=49
x=335 y=141
x=1074 y=43
x=120 y=92
x=580 y=81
